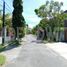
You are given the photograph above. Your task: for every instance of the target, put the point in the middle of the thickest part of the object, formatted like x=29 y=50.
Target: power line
x=1 y=1
x=8 y=6
x=3 y=24
x=9 y=9
x=1 y=5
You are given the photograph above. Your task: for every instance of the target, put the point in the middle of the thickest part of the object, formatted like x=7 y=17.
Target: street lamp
x=3 y=24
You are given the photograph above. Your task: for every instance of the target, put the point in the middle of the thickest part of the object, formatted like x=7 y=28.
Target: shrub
x=21 y=33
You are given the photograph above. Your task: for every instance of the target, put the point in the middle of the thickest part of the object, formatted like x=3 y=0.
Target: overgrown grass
x=2 y=60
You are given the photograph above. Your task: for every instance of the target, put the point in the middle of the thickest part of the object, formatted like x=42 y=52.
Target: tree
x=51 y=11
x=34 y=30
x=0 y=21
x=8 y=20
x=17 y=18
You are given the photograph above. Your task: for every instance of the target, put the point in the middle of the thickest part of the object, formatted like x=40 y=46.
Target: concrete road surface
x=35 y=54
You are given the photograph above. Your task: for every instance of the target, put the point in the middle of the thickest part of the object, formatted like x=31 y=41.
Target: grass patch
x=2 y=60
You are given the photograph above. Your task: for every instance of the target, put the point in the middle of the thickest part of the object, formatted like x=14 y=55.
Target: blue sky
x=8 y=9
x=29 y=7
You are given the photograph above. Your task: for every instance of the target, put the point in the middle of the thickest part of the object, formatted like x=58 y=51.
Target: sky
x=28 y=10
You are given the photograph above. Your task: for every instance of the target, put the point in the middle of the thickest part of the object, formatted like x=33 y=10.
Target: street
x=35 y=54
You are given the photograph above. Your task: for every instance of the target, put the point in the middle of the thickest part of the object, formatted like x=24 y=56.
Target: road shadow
x=38 y=41
x=8 y=47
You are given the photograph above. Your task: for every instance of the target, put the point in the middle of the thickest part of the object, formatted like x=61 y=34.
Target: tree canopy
x=52 y=16
x=17 y=17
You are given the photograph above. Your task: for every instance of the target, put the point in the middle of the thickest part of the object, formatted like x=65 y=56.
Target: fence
x=55 y=34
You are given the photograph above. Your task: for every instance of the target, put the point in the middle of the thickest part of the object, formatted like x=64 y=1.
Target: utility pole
x=3 y=24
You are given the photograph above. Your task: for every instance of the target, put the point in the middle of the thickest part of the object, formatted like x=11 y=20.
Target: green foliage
x=0 y=20
x=0 y=25
x=21 y=32
x=8 y=20
x=52 y=16
x=49 y=9
x=17 y=18
x=44 y=23
x=34 y=30
x=2 y=60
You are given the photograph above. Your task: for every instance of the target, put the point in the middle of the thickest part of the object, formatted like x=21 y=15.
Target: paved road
x=37 y=55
